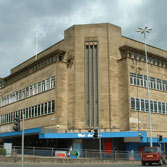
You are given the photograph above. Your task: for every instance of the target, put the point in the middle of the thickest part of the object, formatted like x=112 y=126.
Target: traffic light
x=160 y=137
x=16 y=123
x=96 y=134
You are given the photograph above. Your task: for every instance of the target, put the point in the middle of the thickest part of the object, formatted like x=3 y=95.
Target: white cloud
x=21 y=20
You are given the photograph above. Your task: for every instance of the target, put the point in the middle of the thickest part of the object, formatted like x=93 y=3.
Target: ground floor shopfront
x=108 y=143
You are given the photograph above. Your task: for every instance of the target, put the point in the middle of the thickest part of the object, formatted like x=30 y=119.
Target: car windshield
x=150 y=150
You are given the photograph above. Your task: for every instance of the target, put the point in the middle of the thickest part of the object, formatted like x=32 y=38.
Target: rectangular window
x=164 y=83
x=142 y=105
x=32 y=111
x=139 y=78
x=133 y=103
x=39 y=87
x=39 y=109
x=162 y=63
x=30 y=91
x=135 y=80
x=155 y=107
x=42 y=109
x=35 y=111
x=145 y=81
x=147 y=105
x=33 y=89
x=46 y=108
x=149 y=60
x=159 y=107
x=140 y=57
x=53 y=106
x=27 y=92
x=152 y=80
x=151 y=106
x=131 y=79
x=163 y=108
x=135 y=56
x=154 y=61
x=43 y=86
x=29 y=111
x=137 y=104
x=158 y=62
x=26 y=113
x=47 y=84
x=52 y=82
x=49 y=107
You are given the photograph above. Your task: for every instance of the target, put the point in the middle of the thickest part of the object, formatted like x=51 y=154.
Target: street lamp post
x=144 y=31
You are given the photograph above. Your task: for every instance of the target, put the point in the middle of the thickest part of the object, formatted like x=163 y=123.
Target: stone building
x=93 y=78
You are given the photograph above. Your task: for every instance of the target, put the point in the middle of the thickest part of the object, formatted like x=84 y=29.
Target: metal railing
x=85 y=153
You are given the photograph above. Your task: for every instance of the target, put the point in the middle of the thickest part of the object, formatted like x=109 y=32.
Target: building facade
x=93 y=78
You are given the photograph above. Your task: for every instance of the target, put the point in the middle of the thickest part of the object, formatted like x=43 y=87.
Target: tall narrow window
x=142 y=105
x=147 y=105
x=91 y=80
x=155 y=107
x=133 y=103
x=137 y=104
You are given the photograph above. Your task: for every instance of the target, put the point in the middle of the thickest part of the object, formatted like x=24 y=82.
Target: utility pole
x=144 y=31
x=22 y=152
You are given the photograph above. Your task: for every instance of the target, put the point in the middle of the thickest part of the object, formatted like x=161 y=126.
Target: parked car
x=153 y=155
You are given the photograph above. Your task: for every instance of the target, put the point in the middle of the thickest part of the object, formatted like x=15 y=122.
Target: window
x=155 y=107
x=159 y=107
x=140 y=57
x=49 y=107
x=35 y=111
x=154 y=61
x=52 y=82
x=39 y=110
x=165 y=65
x=42 y=109
x=32 y=111
x=162 y=63
x=139 y=79
x=137 y=104
x=29 y=91
x=149 y=60
x=151 y=106
x=147 y=105
x=53 y=106
x=158 y=84
x=130 y=55
x=157 y=62
x=145 y=81
x=43 y=86
x=131 y=78
x=26 y=113
x=163 y=108
x=46 y=109
x=142 y=105
x=164 y=83
x=152 y=83
x=133 y=103
x=135 y=56
x=29 y=111
x=124 y=55
x=48 y=84
x=39 y=87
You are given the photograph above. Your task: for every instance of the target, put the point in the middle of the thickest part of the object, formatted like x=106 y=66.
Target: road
x=121 y=164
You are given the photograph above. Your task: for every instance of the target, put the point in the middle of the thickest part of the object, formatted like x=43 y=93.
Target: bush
x=2 y=151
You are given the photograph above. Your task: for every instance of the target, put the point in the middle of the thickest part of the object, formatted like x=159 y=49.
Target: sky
x=21 y=20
